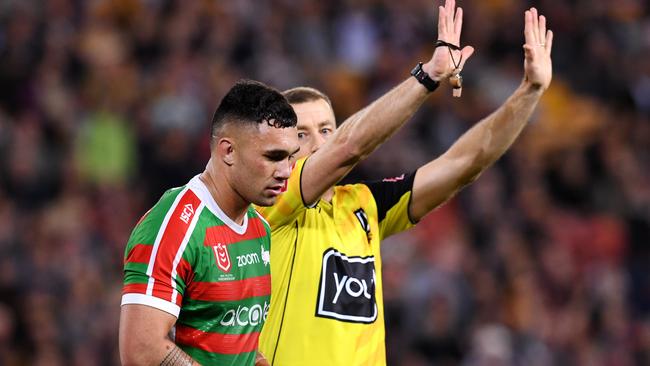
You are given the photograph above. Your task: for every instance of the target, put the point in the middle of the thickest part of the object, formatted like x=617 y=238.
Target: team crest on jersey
x=222 y=256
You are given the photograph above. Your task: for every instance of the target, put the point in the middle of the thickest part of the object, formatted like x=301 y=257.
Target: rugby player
x=196 y=269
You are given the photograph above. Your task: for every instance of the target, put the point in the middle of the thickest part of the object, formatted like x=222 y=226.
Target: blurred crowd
x=545 y=260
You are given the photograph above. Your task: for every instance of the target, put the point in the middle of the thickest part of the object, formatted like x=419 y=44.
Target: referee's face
x=315 y=124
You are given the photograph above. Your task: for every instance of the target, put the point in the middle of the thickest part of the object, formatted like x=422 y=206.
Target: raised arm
x=484 y=143
x=363 y=132
x=144 y=338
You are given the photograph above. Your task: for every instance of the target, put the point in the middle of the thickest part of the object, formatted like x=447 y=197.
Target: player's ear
x=225 y=150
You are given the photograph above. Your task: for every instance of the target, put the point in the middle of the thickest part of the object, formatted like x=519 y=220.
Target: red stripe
x=177 y=226
x=135 y=288
x=140 y=253
x=184 y=271
x=230 y=290
x=225 y=235
x=163 y=291
x=228 y=344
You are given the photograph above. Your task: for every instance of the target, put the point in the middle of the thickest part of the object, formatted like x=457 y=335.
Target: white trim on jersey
x=159 y=236
x=152 y=301
x=201 y=190
x=262 y=217
x=181 y=249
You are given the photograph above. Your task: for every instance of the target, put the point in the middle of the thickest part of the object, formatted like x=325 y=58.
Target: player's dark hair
x=250 y=101
x=303 y=94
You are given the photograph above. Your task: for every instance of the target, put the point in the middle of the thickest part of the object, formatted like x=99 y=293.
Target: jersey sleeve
x=393 y=196
x=157 y=260
x=289 y=203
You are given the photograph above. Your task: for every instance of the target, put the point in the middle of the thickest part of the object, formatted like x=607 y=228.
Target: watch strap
x=424 y=78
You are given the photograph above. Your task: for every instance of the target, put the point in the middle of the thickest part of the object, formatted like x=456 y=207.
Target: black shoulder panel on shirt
x=388 y=191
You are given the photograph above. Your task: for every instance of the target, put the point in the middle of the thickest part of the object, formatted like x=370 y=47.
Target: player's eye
x=276 y=156
x=326 y=131
x=301 y=135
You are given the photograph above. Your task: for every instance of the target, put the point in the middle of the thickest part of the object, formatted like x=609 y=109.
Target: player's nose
x=283 y=170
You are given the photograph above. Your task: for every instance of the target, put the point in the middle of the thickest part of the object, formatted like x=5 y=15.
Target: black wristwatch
x=424 y=78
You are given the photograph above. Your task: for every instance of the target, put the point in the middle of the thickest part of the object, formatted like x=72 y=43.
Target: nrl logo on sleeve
x=347 y=288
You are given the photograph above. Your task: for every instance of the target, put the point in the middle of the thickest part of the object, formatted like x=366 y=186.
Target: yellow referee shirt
x=326 y=300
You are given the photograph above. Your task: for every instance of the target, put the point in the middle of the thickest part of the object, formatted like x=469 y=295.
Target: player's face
x=315 y=124
x=263 y=162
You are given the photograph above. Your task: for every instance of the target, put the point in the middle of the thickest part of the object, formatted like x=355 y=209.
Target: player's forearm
x=484 y=143
x=176 y=357
x=144 y=339
x=163 y=353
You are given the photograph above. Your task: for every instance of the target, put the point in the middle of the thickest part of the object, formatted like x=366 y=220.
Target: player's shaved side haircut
x=252 y=102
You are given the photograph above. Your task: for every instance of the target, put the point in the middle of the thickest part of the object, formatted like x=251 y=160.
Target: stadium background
x=543 y=261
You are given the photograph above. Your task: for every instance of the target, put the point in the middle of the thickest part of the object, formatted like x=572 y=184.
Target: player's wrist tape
x=424 y=78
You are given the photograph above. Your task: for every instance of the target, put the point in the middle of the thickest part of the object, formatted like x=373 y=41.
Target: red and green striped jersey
x=187 y=258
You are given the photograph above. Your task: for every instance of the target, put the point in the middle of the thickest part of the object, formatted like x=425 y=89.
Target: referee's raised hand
x=443 y=62
x=537 y=50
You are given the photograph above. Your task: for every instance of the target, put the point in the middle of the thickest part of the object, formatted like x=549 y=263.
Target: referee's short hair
x=303 y=94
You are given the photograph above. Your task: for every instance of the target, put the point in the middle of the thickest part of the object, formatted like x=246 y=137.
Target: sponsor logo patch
x=254 y=258
x=245 y=315
x=188 y=211
x=246 y=259
x=347 y=288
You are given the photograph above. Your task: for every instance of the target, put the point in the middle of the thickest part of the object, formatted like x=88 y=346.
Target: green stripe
x=135 y=273
x=196 y=313
x=147 y=230
x=208 y=358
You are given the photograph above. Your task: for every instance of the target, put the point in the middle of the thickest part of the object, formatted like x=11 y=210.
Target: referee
x=326 y=271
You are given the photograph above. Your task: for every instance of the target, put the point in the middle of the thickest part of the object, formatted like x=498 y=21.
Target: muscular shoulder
x=149 y=224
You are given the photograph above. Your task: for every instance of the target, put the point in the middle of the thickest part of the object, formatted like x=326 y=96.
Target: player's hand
x=450 y=23
x=260 y=360
x=538 y=68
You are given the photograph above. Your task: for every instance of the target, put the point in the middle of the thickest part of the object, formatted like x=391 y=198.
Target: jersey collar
x=201 y=190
